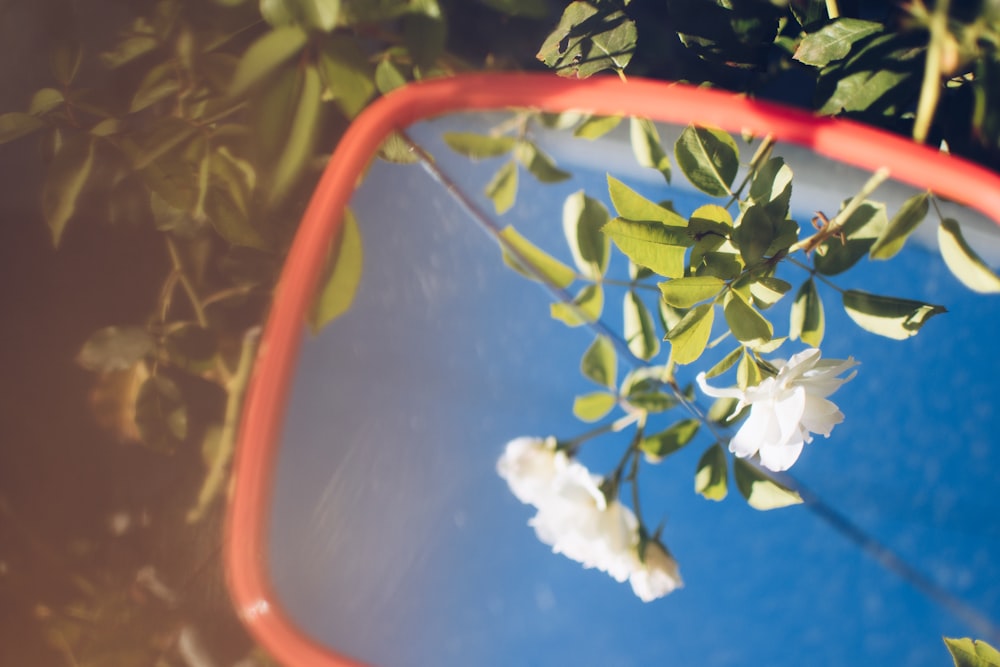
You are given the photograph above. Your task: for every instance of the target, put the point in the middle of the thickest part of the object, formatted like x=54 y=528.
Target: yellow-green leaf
x=582 y=218
x=341 y=286
x=639 y=330
x=651 y=244
x=591 y=407
x=586 y=307
x=686 y=292
x=967 y=652
x=689 y=337
x=300 y=143
x=646 y=146
x=543 y=266
x=266 y=55
x=907 y=218
x=709 y=159
x=479 y=146
x=15 y=124
x=66 y=177
x=888 y=316
x=761 y=492
x=963 y=261
x=502 y=188
x=600 y=363
x=744 y=321
x=807 y=320
x=668 y=441
x=595 y=127
x=632 y=206
x=710 y=478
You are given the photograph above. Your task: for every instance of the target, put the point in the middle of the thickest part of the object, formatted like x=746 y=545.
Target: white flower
x=529 y=466
x=787 y=409
x=657 y=575
x=576 y=520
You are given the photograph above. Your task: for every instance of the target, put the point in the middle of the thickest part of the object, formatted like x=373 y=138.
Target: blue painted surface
x=394 y=540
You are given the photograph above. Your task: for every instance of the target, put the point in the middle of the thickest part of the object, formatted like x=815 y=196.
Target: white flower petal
x=657 y=576
x=779 y=457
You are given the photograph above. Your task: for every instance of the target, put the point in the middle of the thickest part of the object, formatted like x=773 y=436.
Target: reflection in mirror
x=600 y=337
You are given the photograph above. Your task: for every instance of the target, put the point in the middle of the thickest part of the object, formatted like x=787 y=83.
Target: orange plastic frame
x=264 y=409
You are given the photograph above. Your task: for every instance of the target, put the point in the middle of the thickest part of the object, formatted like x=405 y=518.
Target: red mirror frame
x=245 y=549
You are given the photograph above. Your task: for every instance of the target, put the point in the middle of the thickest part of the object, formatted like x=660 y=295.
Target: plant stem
x=930 y=88
x=835 y=225
x=236 y=385
x=832 y=10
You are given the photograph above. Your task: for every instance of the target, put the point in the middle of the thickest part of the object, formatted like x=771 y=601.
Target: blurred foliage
x=209 y=121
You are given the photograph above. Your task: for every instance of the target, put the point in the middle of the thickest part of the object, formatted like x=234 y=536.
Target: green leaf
x=639 y=330
x=689 y=337
x=711 y=222
x=725 y=363
x=544 y=265
x=582 y=218
x=115 y=349
x=888 y=316
x=347 y=74
x=43 y=101
x=860 y=230
x=651 y=244
x=761 y=492
x=15 y=125
x=862 y=82
x=301 y=138
x=161 y=414
x=807 y=320
x=479 y=146
x=388 y=77
x=744 y=321
x=231 y=221
x=834 y=41
x=643 y=389
x=963 y=261
x=768 y=290
x=341 y=285
x=67 y=174
x=646 y=146
x=320 y=15
x=596 y=126
x=591 y=407
x=632 y=206
x=590 y=38
x=710 y=478
x=397 y=150
x=424 y=33
x=709 y=159
x=686 y=292
x=128 y=50
x=589 y=304
x=600 y=362
x=910 y=215
x=748 y=372
x=539 y=164
x=754 y=233
x=502 y=188
x=972 y=653
x=664 y=443
x=159 y=83
x=265 y=56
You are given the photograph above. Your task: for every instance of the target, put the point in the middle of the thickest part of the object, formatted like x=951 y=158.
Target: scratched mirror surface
x=394 y=540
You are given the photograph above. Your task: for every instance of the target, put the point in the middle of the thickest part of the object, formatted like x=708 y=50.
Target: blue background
x=393 y=539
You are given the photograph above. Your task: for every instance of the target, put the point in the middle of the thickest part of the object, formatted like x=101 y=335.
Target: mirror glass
x=394 y=540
